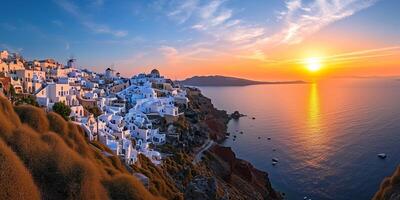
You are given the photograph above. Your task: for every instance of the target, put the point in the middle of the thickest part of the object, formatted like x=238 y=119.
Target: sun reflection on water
x=313 y=110
x=314 y=138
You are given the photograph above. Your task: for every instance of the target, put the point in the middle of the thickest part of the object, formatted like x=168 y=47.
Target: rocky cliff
x=226 y=177
x=390 y=187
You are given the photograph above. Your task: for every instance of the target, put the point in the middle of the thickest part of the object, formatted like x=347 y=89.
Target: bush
x=47 y=155
x=62 y=109
x=94 y=110
x=57 y=124
x=160 y=182
x=9 y=120
x=123 y=187
x=26 y=100
x=15 y=180
x=34 y=117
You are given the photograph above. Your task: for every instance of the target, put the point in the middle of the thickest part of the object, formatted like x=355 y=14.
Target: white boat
x=382 y=155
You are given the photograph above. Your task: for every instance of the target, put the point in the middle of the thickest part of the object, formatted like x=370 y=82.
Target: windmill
x=71 y=62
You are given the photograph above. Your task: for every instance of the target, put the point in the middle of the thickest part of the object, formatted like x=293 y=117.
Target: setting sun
x=313 y=64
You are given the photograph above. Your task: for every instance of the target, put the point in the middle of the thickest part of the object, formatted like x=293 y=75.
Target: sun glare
x=313 y=64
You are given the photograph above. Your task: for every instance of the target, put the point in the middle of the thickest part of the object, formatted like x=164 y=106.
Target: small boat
x=382 y=155
x=269 y=138
x=275 y=160
x=274 y=163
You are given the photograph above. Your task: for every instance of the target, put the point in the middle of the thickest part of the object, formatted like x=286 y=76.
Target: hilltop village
x=119 y=112
x=163 y=133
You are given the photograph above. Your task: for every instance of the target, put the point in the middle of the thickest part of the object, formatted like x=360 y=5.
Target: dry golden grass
x=15 y=180
x=9 y=120
x=34 y=117
x=48 y=156
x=160 y=183
x=125 y=187
x=57 y=124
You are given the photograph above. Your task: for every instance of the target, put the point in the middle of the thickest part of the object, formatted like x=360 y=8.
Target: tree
x=94 y=110
x=12 y=93
x=62 y=110
x=30 y=100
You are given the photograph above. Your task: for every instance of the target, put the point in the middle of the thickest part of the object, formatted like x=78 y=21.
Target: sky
x=256 y=39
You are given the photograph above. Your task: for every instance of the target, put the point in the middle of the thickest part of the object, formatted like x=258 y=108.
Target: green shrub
x=62 y=110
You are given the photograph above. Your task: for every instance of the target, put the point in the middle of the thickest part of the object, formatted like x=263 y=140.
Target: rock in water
x=236 y=115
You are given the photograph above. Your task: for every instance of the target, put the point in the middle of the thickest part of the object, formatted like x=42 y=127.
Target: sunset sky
x=258 y=39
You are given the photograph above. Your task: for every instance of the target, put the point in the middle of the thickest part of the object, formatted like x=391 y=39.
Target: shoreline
x=217 y=156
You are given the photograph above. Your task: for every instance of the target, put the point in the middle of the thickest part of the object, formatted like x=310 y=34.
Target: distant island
x=229 y=81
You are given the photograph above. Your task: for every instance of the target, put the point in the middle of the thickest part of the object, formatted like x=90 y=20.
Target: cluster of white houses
x=128 y=106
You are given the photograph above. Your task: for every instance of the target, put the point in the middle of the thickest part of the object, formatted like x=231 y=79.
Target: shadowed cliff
x=390 y=187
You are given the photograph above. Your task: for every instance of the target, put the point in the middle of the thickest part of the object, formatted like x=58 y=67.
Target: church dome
x=155 y=72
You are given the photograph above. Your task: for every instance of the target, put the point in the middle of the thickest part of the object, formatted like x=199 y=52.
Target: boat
x=382 y=155
x=275 y=160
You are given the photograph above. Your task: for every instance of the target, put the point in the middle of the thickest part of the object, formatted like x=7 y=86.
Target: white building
x=55 y=92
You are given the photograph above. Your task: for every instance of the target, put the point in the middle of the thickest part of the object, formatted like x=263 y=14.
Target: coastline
x=238 y=173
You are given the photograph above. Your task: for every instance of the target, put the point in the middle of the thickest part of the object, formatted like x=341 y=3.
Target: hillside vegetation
x=390 y=187
x=42 y=156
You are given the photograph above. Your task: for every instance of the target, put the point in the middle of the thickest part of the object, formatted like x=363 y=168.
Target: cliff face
x=390 y=187
x=233 y=178
x=201 y=110
x=240 y=175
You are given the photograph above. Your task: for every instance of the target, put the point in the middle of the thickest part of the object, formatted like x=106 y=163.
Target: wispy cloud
x=347 y=56
x=57 y=23
x=184 y=11
x=299 y=20
x=11 y=48
x=86 y=21
x=7 y=27
x=67 y=46
x=303 y=19
x=213 y=18
x=97 y=3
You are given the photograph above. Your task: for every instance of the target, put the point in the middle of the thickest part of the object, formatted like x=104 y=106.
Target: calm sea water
x=326 y=135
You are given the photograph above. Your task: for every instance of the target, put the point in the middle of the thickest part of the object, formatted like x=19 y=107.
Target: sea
x=325 y=135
